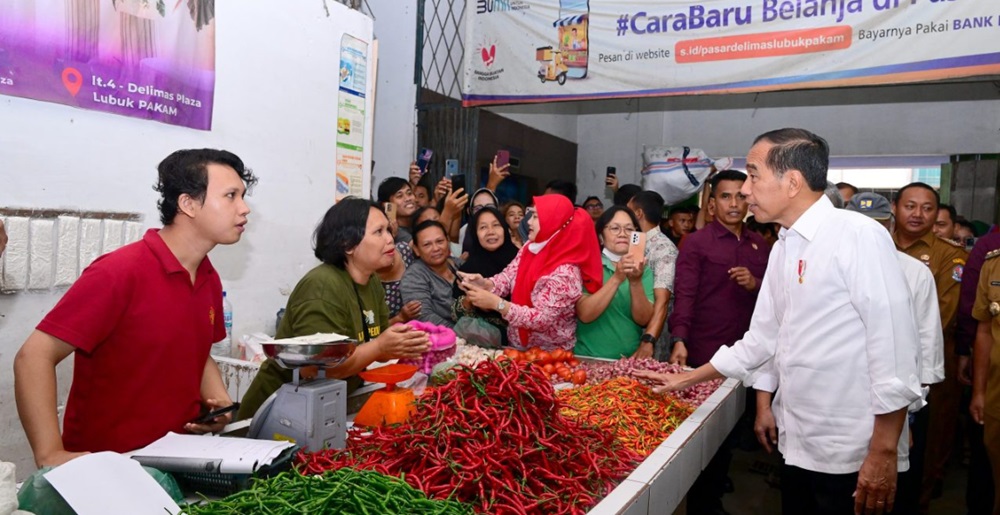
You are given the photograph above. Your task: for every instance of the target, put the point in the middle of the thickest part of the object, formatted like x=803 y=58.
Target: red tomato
x=579 y=377
x=549 y=369
x=573 y=363
x=564 y=374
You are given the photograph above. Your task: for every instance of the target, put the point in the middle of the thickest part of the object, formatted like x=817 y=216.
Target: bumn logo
x=492 y=6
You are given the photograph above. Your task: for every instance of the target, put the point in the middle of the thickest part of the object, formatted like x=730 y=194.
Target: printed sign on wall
x=152 y=59
x=520 y=51
x=351 y=116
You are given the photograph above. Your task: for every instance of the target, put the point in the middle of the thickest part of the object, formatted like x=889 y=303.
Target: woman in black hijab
x=490 y=250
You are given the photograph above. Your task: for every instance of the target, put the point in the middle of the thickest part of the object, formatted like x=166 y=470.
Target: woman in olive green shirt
x=343 y=295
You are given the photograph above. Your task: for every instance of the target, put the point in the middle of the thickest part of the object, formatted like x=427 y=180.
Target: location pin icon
x=72 y=80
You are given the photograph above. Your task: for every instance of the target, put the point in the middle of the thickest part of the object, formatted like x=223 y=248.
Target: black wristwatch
x=648 y=338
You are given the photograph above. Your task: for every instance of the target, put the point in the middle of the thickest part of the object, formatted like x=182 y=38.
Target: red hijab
x=570 y=238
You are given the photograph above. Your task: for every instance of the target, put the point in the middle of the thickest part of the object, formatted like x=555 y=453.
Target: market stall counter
x=661 y=481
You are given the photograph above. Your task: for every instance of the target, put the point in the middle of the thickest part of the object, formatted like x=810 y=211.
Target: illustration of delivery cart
x=553 y=67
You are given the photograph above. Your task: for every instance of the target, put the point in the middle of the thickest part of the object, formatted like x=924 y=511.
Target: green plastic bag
x=38 y=496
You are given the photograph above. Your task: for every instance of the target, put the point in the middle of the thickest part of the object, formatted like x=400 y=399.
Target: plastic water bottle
x=223 y=348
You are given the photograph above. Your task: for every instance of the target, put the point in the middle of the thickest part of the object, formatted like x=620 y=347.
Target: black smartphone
x=457 y=181
x=423 y=158
x=207 y=418
x=611 y=171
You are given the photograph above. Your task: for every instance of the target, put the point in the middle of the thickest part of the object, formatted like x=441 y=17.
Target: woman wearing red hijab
x=548 y=276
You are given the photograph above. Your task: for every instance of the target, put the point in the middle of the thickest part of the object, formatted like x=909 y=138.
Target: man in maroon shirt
x=139 y=322
x=719 y=272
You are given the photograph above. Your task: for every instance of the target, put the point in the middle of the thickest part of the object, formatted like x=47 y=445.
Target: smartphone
x=208 y=417
x=612 y=171
x=450 y=168
x=390 y=211
x=457 y=181
x=637 y=245
x=424 y=158
x=503 y=158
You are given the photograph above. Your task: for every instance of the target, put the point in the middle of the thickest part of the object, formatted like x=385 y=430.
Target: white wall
x=934 y=119
x=395 y=117
x=275 y=106
x=557 y=120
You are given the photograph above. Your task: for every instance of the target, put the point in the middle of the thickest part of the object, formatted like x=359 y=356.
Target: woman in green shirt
x=343 y=295
x=611 y=320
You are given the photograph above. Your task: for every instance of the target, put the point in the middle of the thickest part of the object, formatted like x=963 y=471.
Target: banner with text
x=520 y=51
x=152 y=59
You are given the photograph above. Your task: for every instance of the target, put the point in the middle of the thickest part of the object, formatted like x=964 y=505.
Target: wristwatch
x=501 y=305
x=648 y=338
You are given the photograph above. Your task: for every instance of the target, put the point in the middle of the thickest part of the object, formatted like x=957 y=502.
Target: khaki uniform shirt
x=946 y=260
x=987 y=309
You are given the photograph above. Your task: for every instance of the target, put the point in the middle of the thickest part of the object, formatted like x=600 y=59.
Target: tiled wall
x=48 y=249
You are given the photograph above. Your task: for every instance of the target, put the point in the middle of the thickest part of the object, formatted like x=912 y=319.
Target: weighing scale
x=310 y=412
x=390 y=405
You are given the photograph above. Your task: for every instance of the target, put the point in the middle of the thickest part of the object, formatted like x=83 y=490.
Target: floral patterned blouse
x=552 y=319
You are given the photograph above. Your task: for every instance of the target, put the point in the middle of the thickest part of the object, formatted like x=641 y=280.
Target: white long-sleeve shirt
x=923 y=294
x=834 y=315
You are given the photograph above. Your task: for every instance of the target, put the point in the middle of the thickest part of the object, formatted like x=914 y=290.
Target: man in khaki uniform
x=916 y=210
x=985 y=405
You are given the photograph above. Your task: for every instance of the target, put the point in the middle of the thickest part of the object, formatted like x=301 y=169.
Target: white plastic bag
x=675 y=173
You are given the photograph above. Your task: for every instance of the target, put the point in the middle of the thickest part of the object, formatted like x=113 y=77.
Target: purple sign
x=151 y=59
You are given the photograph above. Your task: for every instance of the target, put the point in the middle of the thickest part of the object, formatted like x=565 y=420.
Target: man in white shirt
x=923 y=294
x=834 y=318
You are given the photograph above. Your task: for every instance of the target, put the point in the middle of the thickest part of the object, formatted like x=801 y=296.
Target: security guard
x=985 y=406
x=916 y=209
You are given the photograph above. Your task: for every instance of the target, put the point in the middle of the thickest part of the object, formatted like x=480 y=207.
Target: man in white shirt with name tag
x=834 y=319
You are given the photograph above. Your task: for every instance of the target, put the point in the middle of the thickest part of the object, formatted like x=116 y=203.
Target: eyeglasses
x=617 y=229
x=593 y=206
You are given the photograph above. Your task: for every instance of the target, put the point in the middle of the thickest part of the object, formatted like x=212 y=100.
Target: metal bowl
x=320 y=350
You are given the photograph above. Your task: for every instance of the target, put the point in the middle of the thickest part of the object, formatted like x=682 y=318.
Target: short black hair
x=427 y=224
x=651 y=204
x=390 y=187
x=967 y=224
x=725 y=175
x=951 y=212
x=685 y=209
x=761 y=228
x=853 y=188
x=427 y=182
x=421 y=210
x=186 y=172
x=342 y=228
x=564 y=188
x=928 y=187
x=592 y=197
x=625 y=193
x=610 y=213
x=798 y=149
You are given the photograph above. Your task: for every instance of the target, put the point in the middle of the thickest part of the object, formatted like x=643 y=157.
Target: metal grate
x=443 y=125
x=439 y=58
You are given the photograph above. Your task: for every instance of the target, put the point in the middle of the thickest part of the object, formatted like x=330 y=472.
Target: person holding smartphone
x=611 y=321
x=139 y=323
x=560 y=261
x=398 y=191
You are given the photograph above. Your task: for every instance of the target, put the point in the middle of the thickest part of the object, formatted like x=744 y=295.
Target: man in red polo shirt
x=139 y=322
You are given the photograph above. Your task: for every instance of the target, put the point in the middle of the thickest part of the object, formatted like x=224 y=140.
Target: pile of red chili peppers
x=492 y=437
x=639 y=418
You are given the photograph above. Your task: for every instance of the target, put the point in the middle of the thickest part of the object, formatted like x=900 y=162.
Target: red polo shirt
x=142 y=333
